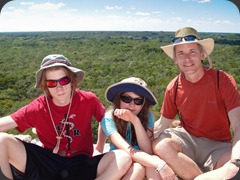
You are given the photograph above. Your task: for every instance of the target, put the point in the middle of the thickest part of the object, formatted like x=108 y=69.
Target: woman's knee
x=119 y=157
x=114 y=161
x=136 y=171
x=138 y=167
x=123 y=157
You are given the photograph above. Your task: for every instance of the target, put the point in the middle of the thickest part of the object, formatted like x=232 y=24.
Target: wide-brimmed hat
x=131 y=84
x=53 y=60
x=207 y=44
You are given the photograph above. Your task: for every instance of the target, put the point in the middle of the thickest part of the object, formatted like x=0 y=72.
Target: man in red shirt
x=207 y=102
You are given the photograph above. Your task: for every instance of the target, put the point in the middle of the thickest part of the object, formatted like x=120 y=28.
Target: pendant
x=58 y=137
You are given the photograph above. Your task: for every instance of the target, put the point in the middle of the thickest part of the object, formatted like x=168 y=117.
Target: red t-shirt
x=85 y=105
x=202 y=105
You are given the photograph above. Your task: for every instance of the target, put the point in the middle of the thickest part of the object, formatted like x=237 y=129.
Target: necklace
x=59 y=136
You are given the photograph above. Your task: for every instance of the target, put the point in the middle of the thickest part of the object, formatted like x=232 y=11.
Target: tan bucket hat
x=57 y=60
x=188 y=35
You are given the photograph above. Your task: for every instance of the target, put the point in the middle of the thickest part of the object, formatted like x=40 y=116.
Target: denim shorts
x=42 y=164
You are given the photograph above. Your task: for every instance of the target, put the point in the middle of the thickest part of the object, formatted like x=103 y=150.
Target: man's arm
x=99 y=148
x=234 y=117
x=161 y=124
x=7 y=123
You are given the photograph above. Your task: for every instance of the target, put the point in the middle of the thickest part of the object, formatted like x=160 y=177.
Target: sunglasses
x=128 y=99
x=53 y=83
x=185 y=38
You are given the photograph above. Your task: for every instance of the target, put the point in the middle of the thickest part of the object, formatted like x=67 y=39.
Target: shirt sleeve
x=229 y=91
x=26 y=116
x=108 y=125
x=169 y=109
x=99 y=109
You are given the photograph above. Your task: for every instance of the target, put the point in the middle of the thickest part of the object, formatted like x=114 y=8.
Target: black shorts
x=42 y=164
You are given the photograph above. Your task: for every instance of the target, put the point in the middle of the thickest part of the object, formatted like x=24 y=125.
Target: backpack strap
x=176 y=88
x=175 y=96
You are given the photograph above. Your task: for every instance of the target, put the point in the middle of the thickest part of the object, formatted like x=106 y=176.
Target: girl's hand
x=167 y=173
x=125 y=115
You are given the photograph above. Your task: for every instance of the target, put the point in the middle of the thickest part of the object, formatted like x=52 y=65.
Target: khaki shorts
x=203 y=151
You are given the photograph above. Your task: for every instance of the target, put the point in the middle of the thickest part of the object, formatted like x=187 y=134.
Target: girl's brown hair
x=70 y=74
x=121 y=125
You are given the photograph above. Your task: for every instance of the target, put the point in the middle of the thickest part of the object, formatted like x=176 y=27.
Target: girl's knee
x=140 y=169
x=124 y=156
x=136 y=171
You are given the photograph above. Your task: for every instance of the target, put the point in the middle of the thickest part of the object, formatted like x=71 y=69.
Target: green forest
x=106 y=58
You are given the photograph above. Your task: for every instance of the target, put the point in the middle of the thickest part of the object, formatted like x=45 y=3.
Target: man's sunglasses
x=53 y=83
x=128 y=99
x=183 y=39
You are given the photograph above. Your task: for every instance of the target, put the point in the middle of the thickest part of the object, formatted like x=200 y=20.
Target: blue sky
x=119 y=15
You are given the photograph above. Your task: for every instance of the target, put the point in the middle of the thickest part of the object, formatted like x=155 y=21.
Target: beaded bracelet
x=160 y=166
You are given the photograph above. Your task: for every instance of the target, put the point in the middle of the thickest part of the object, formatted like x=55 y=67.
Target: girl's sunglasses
x=53 y=83
x=128 y=99
x=185 y=38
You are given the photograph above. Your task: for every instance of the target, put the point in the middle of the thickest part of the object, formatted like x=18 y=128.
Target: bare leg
x=169 y=149
x=11 y=151
x=227 y=171
x=135 y=172
x=114 y=165
x=223 y=169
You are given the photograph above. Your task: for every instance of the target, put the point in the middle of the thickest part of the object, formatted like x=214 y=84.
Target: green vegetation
x=106 y=57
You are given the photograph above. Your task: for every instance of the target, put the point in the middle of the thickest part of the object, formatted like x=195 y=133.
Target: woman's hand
x=126 y=115
x=167 y=173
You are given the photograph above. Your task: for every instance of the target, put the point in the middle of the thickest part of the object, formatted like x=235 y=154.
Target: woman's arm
x=137 y=155
x=143 y=140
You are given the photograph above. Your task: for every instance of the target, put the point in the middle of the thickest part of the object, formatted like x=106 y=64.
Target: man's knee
x=4 y=138
x=162 y=141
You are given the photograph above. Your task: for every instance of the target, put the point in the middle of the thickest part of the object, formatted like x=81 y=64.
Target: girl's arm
x=144 y=158
x=143 y=140
x=137 y=155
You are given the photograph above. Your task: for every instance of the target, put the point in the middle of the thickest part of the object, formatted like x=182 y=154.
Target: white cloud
x=142 y=14
x=26 y=3
x=46 y=6
x=156 y=12
x=113 y=7
x=203 y=1
x=223 y=22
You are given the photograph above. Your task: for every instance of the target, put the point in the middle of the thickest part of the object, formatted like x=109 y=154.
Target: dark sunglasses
x=53 y=83
x=128 y=99
x=185 y=38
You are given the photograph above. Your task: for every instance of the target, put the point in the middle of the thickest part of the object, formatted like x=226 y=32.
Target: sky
x=119 y=15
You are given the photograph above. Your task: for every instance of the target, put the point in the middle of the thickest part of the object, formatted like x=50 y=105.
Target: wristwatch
x=236 y=162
